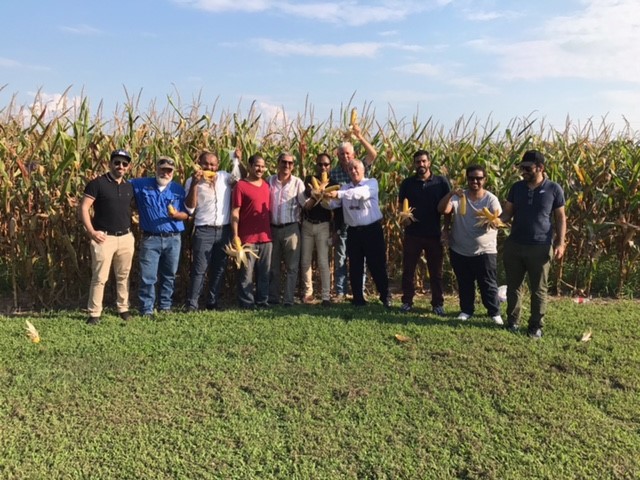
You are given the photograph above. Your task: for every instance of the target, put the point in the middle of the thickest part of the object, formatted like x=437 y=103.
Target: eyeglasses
x=526 y=168
x=475 y=179
x=285 y=162
x=118 y=163
x=323 y=164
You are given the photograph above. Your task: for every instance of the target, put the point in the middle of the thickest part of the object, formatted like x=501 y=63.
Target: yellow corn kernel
x=354 y=116
x=314 y=183
x=463 y=205
x=238 y=243
x=324 y=177
x=405 y=205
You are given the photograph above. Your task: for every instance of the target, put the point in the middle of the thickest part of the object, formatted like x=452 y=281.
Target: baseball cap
x=533 y=156
x=120 y=153
x=166 y=162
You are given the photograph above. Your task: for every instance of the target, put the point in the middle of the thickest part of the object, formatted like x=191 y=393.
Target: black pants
x=367 y=243
x=482 y=269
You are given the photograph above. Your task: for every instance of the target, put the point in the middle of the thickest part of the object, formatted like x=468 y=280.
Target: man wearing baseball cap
x=109 y=230
x=536 y=205
x=160 y=203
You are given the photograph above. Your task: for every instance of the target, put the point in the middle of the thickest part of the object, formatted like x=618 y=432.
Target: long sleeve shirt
x=359 y=203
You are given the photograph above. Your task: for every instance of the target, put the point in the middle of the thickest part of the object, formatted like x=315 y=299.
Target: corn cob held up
x=463 y=204
x=239 y=253
x=407 y=212
x=488 y=219
x=320 y=187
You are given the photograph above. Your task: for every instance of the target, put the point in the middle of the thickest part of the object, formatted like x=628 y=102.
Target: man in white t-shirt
x=473 y=249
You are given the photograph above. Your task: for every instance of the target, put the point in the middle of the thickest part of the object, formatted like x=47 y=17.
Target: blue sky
x=445 y=59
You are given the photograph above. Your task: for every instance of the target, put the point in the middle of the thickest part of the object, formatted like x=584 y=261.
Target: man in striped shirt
x=287 y=199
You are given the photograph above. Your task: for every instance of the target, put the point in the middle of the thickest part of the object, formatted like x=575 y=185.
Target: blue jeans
x=261 y=265
x=208 y=254
x=159 y=257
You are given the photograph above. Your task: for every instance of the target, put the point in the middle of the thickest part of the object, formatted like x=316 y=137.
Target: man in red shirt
x=251 y=222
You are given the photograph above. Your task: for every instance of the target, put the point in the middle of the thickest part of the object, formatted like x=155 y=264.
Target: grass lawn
x=315 y=393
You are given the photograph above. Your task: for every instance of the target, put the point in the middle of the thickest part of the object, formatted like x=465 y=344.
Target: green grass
x=322 y=393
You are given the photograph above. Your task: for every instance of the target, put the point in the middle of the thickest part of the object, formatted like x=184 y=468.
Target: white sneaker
x=463 y=316
x=497 y=320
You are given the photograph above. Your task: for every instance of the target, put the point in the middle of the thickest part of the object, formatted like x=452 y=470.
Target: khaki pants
x=116 y=250
x=315 y=234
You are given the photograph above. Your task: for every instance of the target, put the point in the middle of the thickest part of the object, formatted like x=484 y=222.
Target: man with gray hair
x=365 y=239
x=340 y=176
x=287 y=200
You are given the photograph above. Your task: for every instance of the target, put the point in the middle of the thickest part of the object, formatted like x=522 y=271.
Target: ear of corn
x=406 y=213
x=32 y=333
x=324 y=178
x=488 y=219
x=354 y=117
x=463 y=204
x=240 y=253
x=209 y=175
x=171 y=209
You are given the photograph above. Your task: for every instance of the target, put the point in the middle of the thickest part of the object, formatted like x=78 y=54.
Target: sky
x=488 y=60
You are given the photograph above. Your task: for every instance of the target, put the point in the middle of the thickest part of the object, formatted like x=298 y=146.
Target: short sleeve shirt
x=112 y=203
x=254 y=223
x=467 y=238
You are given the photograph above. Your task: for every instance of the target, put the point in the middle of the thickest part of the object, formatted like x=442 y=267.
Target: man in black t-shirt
x=109 y=230
x=424 y=191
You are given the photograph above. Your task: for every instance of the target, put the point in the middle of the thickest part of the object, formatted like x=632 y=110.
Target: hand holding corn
x=405 y=216
x=488 y=219
x=239 y=252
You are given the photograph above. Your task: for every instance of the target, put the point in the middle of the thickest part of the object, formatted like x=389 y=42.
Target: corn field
x=47 y=159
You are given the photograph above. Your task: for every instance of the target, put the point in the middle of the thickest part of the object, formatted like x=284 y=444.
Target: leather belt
x=282 y=225
x=160 y=234
x=118 y=233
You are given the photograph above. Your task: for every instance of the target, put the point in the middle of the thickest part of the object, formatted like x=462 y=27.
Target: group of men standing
x=280 y=220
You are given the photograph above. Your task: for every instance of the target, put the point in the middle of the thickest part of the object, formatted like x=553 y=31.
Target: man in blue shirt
x=535 y=203
x=160 y=203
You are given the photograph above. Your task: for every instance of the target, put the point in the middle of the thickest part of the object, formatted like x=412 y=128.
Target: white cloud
x=80 y=30
x=348 y=12
x=350 y=49
x=422 y=69
x=600 y=42
x=483 y=16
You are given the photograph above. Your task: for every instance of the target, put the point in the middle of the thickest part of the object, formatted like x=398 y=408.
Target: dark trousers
x=411 y=251
x=482 y=269
x=208 y=254
x=367 y=243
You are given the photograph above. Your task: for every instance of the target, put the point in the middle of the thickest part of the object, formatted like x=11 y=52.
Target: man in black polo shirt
x=424 y=191
x=110 y=233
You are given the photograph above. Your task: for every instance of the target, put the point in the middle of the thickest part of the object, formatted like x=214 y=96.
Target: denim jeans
x=208 y=253
x=261 y=265
x=159 y=257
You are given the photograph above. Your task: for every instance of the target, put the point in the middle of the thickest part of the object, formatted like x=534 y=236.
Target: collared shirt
x=424 y=196
x=112 y=203
x=153 y=205
x=213 y=206
x=359 y=203
x=286 y=200
x=532 y=222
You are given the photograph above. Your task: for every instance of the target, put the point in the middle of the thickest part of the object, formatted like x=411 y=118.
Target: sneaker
x=439 y=310
x=93 y=320
x=535 y=334
x=406 y=307
x=497 y=319
x=463 y=316
x=125 y=316
x=513 y=328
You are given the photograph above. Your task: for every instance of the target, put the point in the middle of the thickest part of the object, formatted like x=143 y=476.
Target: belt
x=215 y=227
x=359 y=228
x=160 y=234
x=315 y=222
x=118 y=233
x=282 y=225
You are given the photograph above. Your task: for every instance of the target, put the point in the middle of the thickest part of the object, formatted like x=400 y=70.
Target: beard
x=163 y=182
x=421 y=171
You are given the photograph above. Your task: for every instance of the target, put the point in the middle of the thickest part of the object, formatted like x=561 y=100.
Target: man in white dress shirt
x=287 y=199
x=209 y=201
x=365 y=239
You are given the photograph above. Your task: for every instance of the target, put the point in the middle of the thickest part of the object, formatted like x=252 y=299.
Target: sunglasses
x=475 y=179
x=284 y=162
x=118 y=163
x=323 y=164
x=526 y=168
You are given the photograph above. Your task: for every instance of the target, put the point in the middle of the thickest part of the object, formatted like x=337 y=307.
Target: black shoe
x=264 y=305
x=125 y=316
x=513 y=327
x=326 y=303
x=93 y=320
x=359 y=303
x=215 y=306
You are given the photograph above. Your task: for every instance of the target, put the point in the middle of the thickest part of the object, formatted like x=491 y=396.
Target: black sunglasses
x=526 y=168
x=475 y=179
x=323 y=164
x=118 y=163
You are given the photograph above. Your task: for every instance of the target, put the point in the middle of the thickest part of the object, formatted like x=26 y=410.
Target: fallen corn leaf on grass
x=322 y=393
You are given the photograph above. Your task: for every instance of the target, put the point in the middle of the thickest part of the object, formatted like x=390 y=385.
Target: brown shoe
x=308 y=300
